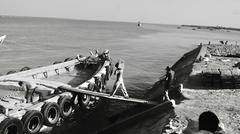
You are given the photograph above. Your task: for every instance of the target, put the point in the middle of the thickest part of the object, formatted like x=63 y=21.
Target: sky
x=198 y=12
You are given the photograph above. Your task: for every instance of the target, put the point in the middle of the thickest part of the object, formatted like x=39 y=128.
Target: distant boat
x=2 y=38
x=139 y=24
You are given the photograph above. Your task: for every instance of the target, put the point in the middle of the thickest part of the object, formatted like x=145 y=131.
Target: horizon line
x=76 y=19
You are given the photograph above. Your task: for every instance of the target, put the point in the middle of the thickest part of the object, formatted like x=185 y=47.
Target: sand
x=224 y=103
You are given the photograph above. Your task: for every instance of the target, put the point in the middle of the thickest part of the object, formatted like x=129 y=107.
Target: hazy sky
x=204 y=12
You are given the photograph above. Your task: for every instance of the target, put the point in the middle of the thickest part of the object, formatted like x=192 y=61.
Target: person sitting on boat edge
x=79 y=57
x=87 y=60
x=94 y=57
x=119 y=80
x=95 y=54
x=105 y=55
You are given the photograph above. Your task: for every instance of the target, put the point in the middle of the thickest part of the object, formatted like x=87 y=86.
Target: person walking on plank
x=119 y=80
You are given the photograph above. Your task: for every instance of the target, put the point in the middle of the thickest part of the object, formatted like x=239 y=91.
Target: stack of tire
x=33 y=120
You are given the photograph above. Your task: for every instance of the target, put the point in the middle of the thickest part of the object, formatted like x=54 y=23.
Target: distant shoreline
x=75 y=19
x=211 y=27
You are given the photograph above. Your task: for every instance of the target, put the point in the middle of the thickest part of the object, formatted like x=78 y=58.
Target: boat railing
x=67 y=66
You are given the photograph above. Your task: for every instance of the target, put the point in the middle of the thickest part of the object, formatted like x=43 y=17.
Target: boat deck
x=73 y=78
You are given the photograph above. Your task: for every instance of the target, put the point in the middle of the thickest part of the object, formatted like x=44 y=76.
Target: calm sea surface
x=146 y=50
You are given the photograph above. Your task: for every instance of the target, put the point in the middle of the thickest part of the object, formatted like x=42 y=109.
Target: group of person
x=119 y=67
x=31 y=87
x=208 y=121
x=96 y=54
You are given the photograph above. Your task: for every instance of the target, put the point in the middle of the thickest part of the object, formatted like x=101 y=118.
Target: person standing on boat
x=30 y=88
x=96 y=53
x=168 y=82
x=119 y=80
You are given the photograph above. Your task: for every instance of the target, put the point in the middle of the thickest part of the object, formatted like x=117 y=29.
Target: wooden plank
x=115 y=97
x=63 y=86
x=59 y=85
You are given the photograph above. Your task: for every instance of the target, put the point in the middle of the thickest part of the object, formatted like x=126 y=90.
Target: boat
x=208 y=66
x=214 y=66
x=139 y=24
x=2 y=38
x=147 y=113
x=17 y=116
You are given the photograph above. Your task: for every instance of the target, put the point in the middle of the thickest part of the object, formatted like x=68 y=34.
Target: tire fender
x=25 y=69
x=57 y=62
x=11 y=72
x=68 y=59
x=51 y=113
x=12 y=125
x=32 y=122
x=65 y=105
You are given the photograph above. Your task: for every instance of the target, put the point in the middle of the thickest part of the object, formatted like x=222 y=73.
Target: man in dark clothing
x=168 y=82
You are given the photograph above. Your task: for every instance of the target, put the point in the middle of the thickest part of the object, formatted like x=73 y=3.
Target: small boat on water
x=17 y=116
x=139 y=24
x=2 y=38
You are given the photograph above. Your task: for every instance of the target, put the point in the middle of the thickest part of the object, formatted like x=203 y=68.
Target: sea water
x=147 y=50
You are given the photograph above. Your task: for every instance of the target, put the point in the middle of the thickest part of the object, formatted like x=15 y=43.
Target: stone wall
x=224 y=50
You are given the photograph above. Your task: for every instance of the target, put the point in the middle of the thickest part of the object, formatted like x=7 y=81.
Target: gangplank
x=107 y=96
x=58 y=85
x=62 y=86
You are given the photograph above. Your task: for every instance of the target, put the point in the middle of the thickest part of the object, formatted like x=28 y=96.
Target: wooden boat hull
x=73 y=73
